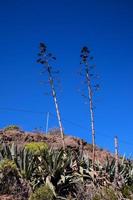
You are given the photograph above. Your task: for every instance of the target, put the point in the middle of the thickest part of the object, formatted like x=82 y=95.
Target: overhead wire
x=64 y=119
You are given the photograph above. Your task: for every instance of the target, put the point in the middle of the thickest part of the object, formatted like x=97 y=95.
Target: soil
x=53 y=140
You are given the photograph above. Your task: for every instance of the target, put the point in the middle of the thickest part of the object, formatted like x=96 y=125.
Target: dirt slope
x=53 y=140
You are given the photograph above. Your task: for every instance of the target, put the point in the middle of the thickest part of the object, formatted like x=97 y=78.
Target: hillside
x=33 y=166
x=53 y=140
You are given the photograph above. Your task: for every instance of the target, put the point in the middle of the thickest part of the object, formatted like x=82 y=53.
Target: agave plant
x=63 y=170
x=57 y=171
x=107 y=172
x=81 y=167
x=24 y=160
x=25 y=163
x=126 y=172
x=109 y=169
x=8 y=151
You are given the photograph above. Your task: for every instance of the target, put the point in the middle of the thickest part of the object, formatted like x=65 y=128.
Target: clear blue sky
x=65 y=26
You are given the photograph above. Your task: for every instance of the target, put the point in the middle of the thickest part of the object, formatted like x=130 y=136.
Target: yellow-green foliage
x=106 y=194
x=8 y=170
x=9 y=177
x=36 y=148
x=111 y=194
x=11 y=127
x=7 y=164
x=127 y=191
x=97 y=197
x=42 y=193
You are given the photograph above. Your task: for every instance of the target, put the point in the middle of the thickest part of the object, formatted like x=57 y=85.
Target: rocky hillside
x=33 y=166
x=53 y=140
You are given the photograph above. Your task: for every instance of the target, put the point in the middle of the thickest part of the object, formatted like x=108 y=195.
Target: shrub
x=42 y=193
x=111 y=194
x=12 y=127
x=54 y=131
x=36 y=148
x=106 y=194
x=7 y=164
x=127 y=191
x=11 y=182
x=8 y=176
x=97 y=197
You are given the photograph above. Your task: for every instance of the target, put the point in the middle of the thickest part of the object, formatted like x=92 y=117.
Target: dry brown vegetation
x=53 y=140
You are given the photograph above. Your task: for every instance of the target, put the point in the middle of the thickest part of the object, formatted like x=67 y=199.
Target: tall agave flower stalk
x=116 y=159
x=85 y=62
x=45 y=58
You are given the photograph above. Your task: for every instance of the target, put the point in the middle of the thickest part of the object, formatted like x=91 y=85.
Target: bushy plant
x=7 y=164
x=110 y=193
x=106 y=194
x=36 y=148
x=127 y=191
x=11 y=182
x=54 y=131
x=42 y=193
x=12 y=127
x=8 y=176
x=97 y=197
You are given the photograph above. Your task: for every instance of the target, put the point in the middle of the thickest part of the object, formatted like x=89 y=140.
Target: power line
x=70 y=122
x=64 y=119
x=23 y=110
x=42 y=113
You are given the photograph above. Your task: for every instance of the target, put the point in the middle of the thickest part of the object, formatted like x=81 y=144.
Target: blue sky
x=66 y=26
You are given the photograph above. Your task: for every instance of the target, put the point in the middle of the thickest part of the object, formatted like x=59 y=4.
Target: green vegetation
x=12 y=128
x=110 y=194
x=6 y=165
x=36 y=148
x=106 y=194
x=8 y=176
x=127 y=191
x=58 y=174
x=42 y=193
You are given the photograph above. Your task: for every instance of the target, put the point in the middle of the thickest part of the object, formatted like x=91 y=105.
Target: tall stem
x=91 y=112
x=116 y=160
x=47 y=122
x=56 y=106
